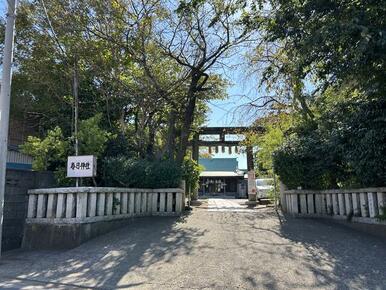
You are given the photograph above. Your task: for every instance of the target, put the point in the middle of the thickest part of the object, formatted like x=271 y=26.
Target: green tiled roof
x=219 y=164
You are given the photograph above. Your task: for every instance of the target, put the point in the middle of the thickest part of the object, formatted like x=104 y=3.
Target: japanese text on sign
x=81 y=166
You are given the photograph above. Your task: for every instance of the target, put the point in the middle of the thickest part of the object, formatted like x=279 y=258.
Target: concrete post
x=169 y=202
x=342 y=210
x=117 y=203
x=162 y=202
x=101 y=202
x=131 y=203
x=109 y=203
x=335 y=204
x=364 y=204
x=92 y=204
x=124 y=203
x=348 y=203
x=373 y=205
x=356 y=204
x=61 y=206
x=5 y=100
x=42 y=203
x=329 y=204
x=32 y=203
x=51 y=205
x=310 y=203
x=381 y=202
x=70 y=205
x=303 y=204
x=283 y=199
x=81 y=204
x=143 y=202
x=154 y=202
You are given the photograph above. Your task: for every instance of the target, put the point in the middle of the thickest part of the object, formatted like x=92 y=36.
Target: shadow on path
x=102 y=262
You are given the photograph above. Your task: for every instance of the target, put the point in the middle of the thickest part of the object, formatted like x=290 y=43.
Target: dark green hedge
x=346 y=147
x=140 y=173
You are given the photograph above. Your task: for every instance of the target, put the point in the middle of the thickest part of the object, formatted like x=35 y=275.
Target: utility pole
x=5 y=100
x=76 y=111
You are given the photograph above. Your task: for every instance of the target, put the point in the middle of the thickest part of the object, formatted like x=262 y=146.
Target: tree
x=197 y=37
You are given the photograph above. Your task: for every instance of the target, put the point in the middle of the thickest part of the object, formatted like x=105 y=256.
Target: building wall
x=15 y=202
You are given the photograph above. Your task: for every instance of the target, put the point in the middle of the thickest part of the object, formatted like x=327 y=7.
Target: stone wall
x=18 y=182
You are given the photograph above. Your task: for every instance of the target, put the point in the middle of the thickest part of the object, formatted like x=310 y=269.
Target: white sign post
x=251 y=186
x=81 y=166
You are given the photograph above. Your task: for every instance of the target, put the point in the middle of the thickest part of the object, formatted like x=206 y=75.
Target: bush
x=191 y=174
x=51 y=152
x=346 y=149
x=306 y=162
x=140 y=173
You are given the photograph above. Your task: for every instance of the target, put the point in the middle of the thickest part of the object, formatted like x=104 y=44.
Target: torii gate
x=221 y=132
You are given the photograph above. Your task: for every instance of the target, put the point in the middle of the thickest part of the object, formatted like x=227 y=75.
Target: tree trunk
x=187 y=124
x=171 y=137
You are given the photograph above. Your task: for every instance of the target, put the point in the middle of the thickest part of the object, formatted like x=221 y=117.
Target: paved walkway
x=227 y=205
x=208 y=250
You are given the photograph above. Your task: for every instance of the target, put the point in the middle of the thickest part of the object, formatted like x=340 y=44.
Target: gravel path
x=208 y=249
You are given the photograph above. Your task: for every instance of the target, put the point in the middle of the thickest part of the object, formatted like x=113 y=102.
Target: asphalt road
x=209 y=249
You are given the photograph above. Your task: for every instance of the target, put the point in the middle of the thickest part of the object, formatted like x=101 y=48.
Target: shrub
x=140 y=173
x=191 y=174
x=345 y=149
x=51 y=152
x=305 y=162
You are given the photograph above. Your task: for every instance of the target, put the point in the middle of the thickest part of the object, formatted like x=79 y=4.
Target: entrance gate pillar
x=251 y=176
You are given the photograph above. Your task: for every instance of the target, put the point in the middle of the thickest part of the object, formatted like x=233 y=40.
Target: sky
x=226 y=112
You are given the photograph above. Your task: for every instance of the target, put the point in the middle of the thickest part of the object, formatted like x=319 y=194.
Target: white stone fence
x=358 y=205
x=93 y=204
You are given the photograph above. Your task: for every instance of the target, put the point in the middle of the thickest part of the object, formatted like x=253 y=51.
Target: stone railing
x=359 y=205
x=93 y=204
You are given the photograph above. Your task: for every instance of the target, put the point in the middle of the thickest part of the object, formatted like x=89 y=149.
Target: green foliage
x=345 y=147
x=358 y=133
x=382 y=217
x=130 y=172
x=306 y=162
x=191 y=173
x=48 y=153
x=334 y=41
x=51 y=152
x=92 y=138
x=275 y=128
